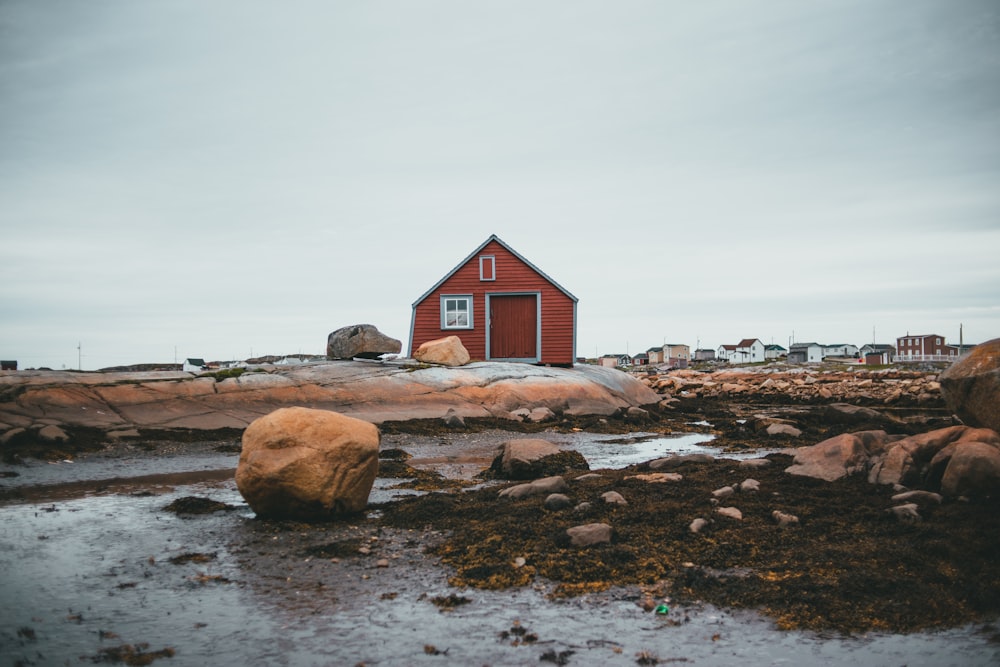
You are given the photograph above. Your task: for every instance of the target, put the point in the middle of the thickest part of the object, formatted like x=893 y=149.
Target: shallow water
x=94 y=572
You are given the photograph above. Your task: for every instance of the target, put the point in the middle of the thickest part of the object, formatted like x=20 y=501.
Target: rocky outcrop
x=362 y=341
x=299 y=463
x=375 y=392
x=884 y=386
x=971 y=386
x=447 y=351
x=957 y=461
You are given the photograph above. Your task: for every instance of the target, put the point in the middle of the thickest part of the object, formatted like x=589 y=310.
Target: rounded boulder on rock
x=971 y=386
x=301 y=463
x=447 y=351
x=363 y=341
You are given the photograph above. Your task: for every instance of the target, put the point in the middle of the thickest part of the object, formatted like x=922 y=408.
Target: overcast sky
x=226 y=179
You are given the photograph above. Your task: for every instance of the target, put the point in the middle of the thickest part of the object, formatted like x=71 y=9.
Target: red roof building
x=502 y=307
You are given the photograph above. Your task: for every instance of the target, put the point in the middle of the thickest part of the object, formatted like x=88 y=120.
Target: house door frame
x=538 y=326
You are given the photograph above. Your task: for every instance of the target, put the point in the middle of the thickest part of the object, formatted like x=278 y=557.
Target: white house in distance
x=774 y=351
x=747 y=351
x=804 y=353
x=845 y=350
x=193 y=365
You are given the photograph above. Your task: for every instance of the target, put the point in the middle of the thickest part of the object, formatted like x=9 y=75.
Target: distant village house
x=673 y=355
x=747 y=351
x=774 y=351
x=926 y=347
x=194 y=365
x=805 y=353
x=615 y=361
x=703 y=354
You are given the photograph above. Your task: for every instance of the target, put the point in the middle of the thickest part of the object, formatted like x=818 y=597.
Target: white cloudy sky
x=221 y=179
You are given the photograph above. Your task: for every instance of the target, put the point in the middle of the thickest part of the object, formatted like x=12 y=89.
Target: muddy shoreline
x=453 y=574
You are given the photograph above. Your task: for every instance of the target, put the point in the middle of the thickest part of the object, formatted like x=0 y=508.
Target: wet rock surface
x=94 y=410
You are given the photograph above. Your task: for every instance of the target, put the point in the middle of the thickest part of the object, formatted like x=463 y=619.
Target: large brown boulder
x=531 y=458
x=307 y=464
x=447 y=351
x=837 y=457
x=973 y=470
x=363 y=341
x=910 y=460
x=971 y=386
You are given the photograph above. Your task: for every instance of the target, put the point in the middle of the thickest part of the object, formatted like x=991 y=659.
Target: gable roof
x=493 y=237
x=748 y=342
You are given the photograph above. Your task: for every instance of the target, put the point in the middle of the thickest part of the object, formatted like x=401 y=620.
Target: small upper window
x=487 y=267
x=456 y=312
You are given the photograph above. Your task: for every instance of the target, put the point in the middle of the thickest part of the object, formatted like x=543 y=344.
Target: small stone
x=382 y=562
x=52 y=433
x=657 y=477
x=697 y=525
x=749 y=486
x=905 y=513
x=918 y=496
x=590 y=534
x=784 y=520
x=452 y=419
x=614 y=498
x=730 y=512
x=557 y=501
x=784 y=429
x=723 y=493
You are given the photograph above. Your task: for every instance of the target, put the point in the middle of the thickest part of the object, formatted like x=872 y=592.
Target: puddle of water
x=98 y=466
x=618 y=453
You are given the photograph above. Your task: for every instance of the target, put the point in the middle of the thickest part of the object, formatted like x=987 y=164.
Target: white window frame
x=445 y=298
x=492 y=261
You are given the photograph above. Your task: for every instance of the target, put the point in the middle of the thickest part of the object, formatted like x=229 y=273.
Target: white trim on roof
x=493 y=237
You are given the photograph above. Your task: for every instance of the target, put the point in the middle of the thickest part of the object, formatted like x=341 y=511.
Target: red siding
x=512 y=275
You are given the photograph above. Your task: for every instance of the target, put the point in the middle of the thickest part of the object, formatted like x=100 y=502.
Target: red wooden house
x=502 y=307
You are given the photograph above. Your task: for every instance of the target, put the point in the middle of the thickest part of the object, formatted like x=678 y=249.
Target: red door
x=514 y=327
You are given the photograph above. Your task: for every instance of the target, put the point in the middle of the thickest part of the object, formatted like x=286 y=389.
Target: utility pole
x=79 y=356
